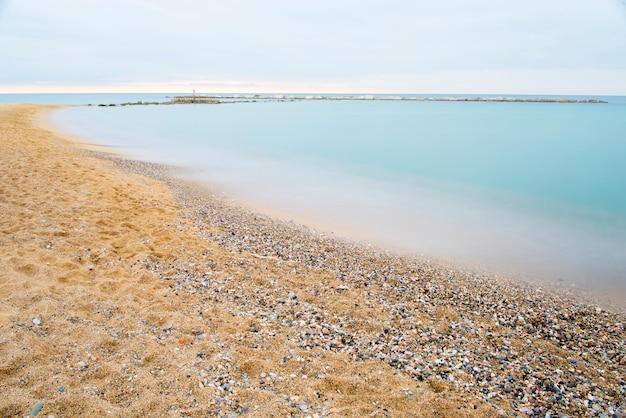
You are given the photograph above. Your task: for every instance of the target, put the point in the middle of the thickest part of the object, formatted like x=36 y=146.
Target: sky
x=317 y=46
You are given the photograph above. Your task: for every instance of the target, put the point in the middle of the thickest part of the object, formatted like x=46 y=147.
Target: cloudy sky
x=366 y=46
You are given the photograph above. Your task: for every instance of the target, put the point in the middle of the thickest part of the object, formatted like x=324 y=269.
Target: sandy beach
x=126 y=291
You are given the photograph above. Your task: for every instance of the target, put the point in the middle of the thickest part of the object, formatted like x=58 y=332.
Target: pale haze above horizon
x=323 y=46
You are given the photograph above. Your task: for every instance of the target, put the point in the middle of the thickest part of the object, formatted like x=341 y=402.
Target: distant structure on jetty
x=194 y=99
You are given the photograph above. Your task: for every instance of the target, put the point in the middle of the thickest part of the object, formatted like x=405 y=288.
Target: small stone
x=292 y=295
x=527 y=411
x=262 y=375
x=36 y=409
x=82 y=364
x=37 y=321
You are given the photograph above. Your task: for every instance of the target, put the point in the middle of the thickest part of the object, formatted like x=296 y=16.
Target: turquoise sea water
x=535 y=189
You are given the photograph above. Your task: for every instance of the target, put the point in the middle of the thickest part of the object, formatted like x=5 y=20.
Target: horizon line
x=347 y=93
x=280 y=88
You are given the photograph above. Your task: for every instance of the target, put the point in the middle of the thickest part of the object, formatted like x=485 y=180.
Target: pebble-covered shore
x=526 y=349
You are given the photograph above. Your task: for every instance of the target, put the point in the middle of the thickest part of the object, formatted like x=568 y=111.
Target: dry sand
x=124 y=295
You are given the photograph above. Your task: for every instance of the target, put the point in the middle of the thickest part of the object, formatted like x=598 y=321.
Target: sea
x=534 y=190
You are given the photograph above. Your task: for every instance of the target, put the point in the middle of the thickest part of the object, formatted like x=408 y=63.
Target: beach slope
x=126 y=292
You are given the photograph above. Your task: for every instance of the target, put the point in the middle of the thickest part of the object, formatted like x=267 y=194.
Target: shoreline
x=533 y=253
x=257 y=301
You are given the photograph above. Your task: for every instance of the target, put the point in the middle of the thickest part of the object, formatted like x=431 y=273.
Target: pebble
x=36 y=409
x=36 y=321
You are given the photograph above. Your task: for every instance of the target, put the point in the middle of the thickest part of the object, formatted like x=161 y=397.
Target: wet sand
x=125 y=291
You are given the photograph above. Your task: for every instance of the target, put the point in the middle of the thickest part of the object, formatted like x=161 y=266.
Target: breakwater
x=282 y=97
x=237 y=98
